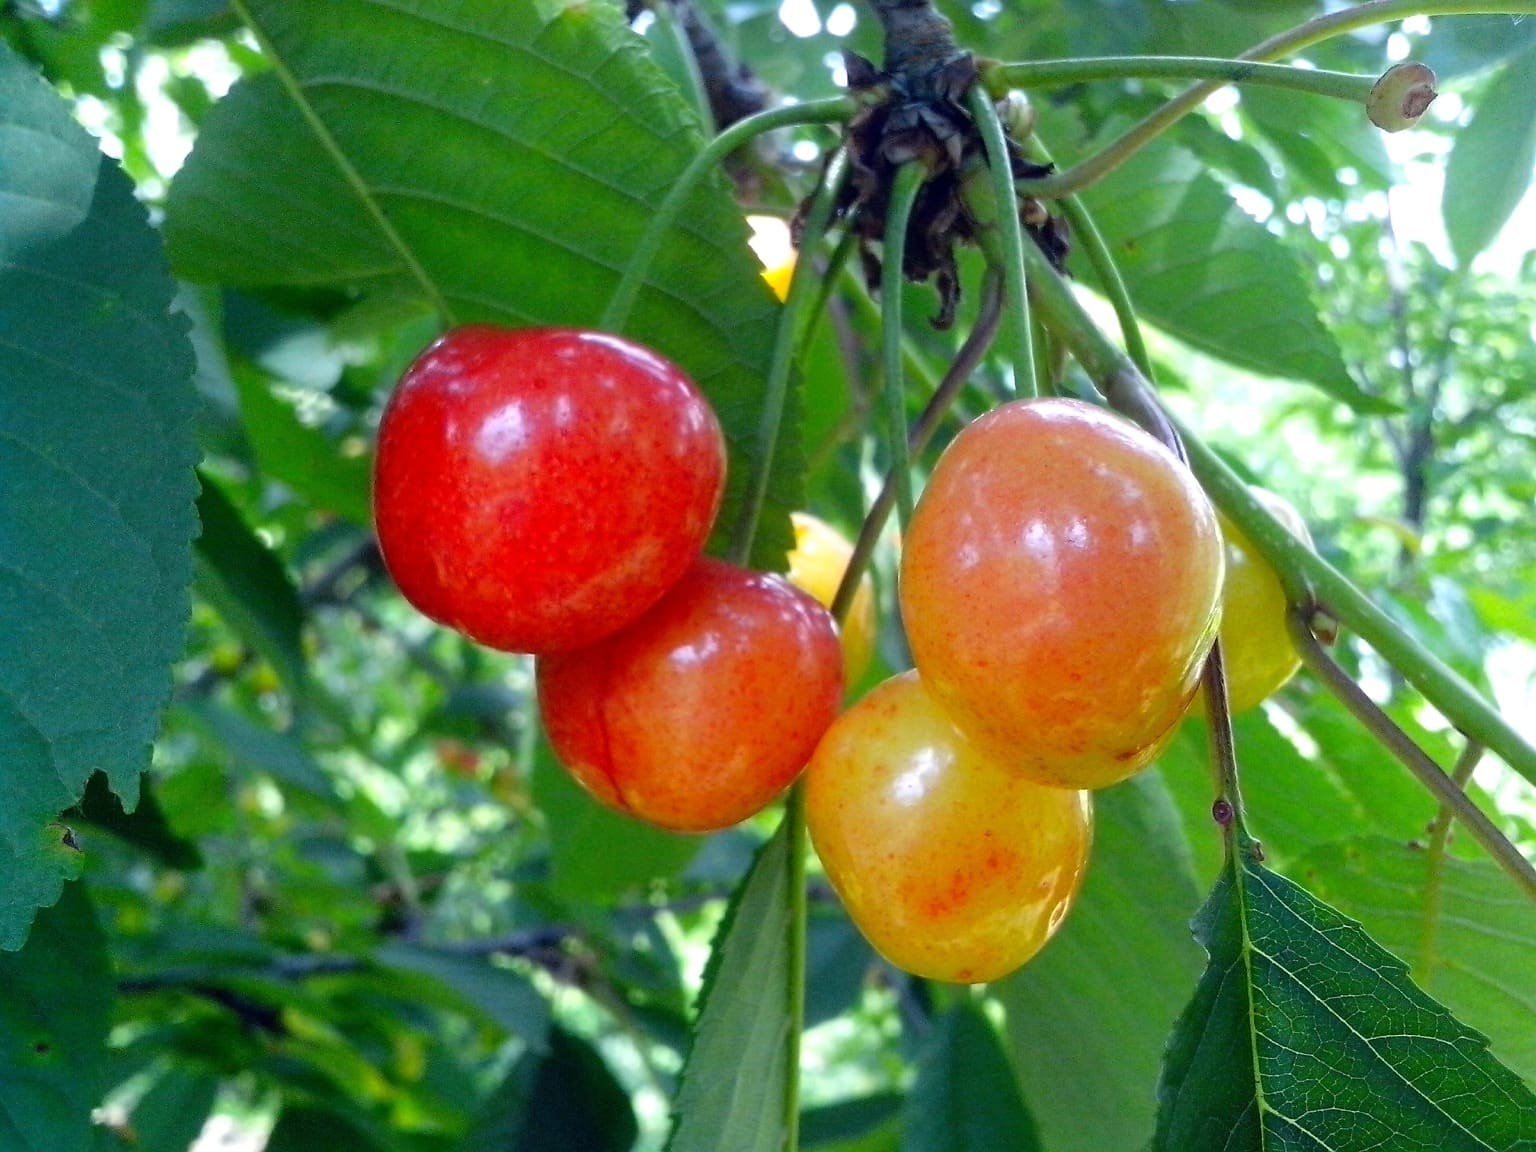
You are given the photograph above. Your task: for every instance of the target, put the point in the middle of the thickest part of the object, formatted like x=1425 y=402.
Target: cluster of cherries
x=551 y=491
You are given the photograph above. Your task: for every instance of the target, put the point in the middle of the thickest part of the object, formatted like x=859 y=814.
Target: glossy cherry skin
x=816 y=565
x=1256 y=645
x=952 y=864
x=540 y=488
x=1061 y=587
x=701 y=712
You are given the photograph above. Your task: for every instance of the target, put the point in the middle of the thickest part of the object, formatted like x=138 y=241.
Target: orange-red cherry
x=951 y=863
x=1061 y=587
x=701 y=712
x=540 y=488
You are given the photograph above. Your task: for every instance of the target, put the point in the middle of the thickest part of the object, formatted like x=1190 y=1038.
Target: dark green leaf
x=96 y=456
x=1467 y=936
x=562 y=1098
x=172 y=1113
x=1088 y=1018
x=597 y=852
x=867 y=1124
x=55 y=1006
x=247 y=584
x=251 y=747
x=496 y=161
x=312 y=1129
x=837 y=962
x=733 y=1080
x=499 y=994
x=145 y=827
x=1306 y=1034
x=1491 y=160
x=1201 y=269
x=966 y=1096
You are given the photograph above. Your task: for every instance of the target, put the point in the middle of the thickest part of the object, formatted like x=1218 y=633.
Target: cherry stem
x=966 y=360
x=999 y=78
x=1223 y=752
x=1307 y=577
x=1305 y=35
x=776 y=391
x=621 y=303
x=1387 y=732
x=1434 y=877
x=904 y=193
x=1010 y=235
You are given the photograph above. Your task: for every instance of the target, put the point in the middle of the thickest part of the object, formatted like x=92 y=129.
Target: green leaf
x=496 y=161
x=596 y=852
x=248 y=586
x=172 y=1113
x=307 y=1128
x=1088 y=1018
x=1306 y=1034
x=1470 y=945
x=1490 y=165
x=1204 y=271
x=304 y=458
x=146 y=827
x=866 y=1124
x=499 y=994
x=966 y=1095
x=55 y=1007
x=733 y=1080
x=96 y=456
x=253 y=747
x=564 y=1097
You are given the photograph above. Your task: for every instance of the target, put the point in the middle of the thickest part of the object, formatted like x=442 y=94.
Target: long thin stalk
x=1303 y=36
x=1010 y=237
x=776 y=393
x=905 y=188
x=794 y=819
x=1302 y=572
x=966 y=360
x=1387 y=733
x=1057 y=73
x=1434 y=878
x=830 y=111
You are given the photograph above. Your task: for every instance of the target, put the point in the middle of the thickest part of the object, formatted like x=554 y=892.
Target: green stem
x=1090 y=241
x=1056 y=73
x=1010 y=234
x=1228 y=809
x=1303 y=36
x=1387 y=733
x=904 y=191
x=794 y=818
x=834 y=110
x=776 y=392
x=1434 y=878
x=1303 y=572
x=965 y=363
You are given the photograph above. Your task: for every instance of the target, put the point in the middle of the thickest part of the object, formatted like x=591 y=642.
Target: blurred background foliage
x=359 y=906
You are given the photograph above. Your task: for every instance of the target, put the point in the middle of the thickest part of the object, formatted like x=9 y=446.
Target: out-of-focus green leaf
x=303 y=458
x=1491 y=160
x=307 y=1128
x=497 y=161
x=733 y=1080
x=837 y=961
x=253 y=747
x=1205 y=271
x=247 y=584
x=597 y=852
x=145 y=827
x=499 y=994
x=55 y=1007
x=1305 y=1033
x=867 y=1124
x=1088 y=1017
x=561 y=1098
x=1318 y=138
x=96 y=457
x=1467 y=937
x=171 y=1114
x=966 y=1095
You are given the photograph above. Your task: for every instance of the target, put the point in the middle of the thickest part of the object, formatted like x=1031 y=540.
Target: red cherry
x=540 y=488
x=702 y=711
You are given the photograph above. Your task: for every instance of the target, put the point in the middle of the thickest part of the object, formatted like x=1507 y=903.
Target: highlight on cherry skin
x=952 y=864
x=1256 y=646
x=816 y=565
x=540 y=488
x=704 y=710
x=1061 y=587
